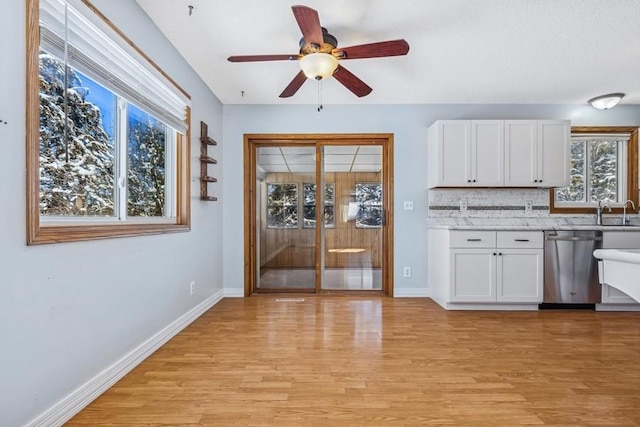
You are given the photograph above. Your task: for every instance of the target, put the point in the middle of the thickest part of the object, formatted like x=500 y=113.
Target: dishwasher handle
x=575 y=238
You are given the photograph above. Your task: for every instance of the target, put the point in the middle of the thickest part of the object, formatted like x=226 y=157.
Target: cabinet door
x=450 y=143
x=487 y=153
x=520 y=275
x=554 y=163
x=473 y=275
x=521 y=151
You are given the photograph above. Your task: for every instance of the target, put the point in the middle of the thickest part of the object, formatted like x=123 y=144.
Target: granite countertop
x=524 y=224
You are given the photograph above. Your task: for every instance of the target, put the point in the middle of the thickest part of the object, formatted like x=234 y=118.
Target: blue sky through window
x=102 y=98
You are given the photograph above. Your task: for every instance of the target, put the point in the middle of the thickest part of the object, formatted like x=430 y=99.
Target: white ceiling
x=461 y=51
x=344 y=158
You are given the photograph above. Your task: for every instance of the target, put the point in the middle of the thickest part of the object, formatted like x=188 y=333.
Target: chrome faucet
x=625 y=218
x=599 y=210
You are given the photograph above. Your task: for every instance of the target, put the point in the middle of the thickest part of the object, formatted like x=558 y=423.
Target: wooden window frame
x=39 y=232
x=632 y=169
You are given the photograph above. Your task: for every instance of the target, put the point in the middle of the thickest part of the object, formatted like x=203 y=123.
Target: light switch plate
x=408 y=205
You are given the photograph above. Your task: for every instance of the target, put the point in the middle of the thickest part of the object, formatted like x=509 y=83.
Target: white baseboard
x=73 y=403
x=617 y=307
x=410 y=293
x=233 y=293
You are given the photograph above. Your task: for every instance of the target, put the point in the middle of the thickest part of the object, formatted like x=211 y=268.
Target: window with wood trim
x=604 y=168
x=107 y=131
x=369 y=204
x=282 y=205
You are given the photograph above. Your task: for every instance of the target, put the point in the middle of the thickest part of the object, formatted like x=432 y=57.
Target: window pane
x=282 y=216
x=76 y=168
x=369 y=199
x=282 y=205
x=282 y=194
x=309 y=191
x=604 y=171
x=329 y=218
x=310 y=205
x=575 y=191
x=146 y=149
x=594 y=172
x=309 y=216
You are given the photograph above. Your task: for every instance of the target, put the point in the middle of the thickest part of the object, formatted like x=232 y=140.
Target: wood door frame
x=253 y=141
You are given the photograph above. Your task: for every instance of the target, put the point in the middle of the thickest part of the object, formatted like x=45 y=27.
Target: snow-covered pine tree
x=83 y=185
x=146 y=167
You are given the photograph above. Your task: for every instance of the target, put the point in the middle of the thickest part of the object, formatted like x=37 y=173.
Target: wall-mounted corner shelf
x=205 y=161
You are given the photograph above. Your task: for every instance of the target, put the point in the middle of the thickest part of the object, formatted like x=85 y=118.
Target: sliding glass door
x=285 y=222
x=352 y=241
x=318 y=211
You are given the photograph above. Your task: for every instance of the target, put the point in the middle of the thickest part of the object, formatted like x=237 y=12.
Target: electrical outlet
x=528 y=206
x=463 y=205
x=406 y=272
x=192 y=287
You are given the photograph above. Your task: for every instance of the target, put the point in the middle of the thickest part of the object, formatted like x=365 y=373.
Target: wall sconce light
x=604 y=102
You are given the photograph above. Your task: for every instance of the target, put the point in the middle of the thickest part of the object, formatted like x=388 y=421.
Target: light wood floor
x=376 y=361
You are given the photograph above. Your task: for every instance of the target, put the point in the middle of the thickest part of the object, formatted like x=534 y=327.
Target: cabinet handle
x=494 y=254
x=474 y=240
x=500 y=253
x=474 y=180
x=468 y=180
x=522 y=240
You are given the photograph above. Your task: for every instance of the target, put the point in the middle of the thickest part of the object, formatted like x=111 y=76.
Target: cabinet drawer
x=520 y=239
x=473 y=239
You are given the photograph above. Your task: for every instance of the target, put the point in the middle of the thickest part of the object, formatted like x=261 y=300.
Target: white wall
x=68 y=311
x=409 y=124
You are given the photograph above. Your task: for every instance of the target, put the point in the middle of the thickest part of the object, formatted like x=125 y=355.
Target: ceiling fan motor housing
x=329 y=43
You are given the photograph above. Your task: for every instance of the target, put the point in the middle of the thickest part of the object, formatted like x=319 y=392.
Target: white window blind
x=599 y=137
x=67 y=34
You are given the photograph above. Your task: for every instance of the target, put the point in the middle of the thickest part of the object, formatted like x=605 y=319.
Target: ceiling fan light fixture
x=604 y=102
x=318 y=66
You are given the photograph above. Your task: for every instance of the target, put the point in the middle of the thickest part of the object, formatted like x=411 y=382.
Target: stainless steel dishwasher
x=570 y=269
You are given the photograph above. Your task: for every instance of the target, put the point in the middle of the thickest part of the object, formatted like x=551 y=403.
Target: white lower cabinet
x=486 y=269
x=520 y=275
x=473 y=275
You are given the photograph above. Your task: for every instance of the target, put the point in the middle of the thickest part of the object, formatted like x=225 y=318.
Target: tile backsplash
x=489 y=203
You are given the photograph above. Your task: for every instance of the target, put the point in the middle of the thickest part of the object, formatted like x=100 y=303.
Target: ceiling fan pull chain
x=319 y=95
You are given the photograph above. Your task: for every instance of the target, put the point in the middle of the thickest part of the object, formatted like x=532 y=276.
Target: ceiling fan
x=319 y=54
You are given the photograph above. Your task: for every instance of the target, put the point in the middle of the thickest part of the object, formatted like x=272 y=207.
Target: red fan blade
x=295 y=84
x=374 y=50
x=254 y=58
x=351 y=82
x=309 y=24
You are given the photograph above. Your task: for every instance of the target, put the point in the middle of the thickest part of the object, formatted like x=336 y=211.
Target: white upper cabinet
x=496 y=153
x=466 y=153
x=554 y=153
x=521 y=153
x=537 y=153
x=487 y=153
x=450 y=143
